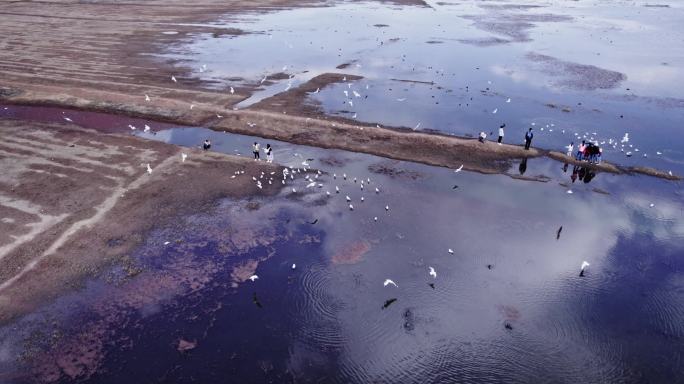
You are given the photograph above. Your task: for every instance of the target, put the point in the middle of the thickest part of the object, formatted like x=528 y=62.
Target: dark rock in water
x=508 y=326
x=388 y=303
x=256 y=300
x=409 y=321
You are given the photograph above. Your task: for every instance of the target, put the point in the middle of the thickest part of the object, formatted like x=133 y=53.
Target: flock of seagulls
x=312 y=181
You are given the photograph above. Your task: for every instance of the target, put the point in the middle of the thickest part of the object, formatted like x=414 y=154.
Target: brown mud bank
x=73 y=201
x=290 y=117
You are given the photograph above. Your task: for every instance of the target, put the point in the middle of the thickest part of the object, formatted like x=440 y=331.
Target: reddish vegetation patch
x=510 y=313
x=185 y=345
x=351 y=254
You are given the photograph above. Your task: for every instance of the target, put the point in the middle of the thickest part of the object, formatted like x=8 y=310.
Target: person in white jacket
x=501 y=133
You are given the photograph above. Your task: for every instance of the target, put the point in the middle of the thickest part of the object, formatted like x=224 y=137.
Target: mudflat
x=74 y=201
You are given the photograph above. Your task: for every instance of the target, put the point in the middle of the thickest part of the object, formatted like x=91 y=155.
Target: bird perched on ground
x=183 y=157
x=388 y=282
x=232 y=91
x=433 y=273
x=173 y=78
x=147 y=128
x=147 y=98
x=583 y=267
x=253 y=277
x=149 y=169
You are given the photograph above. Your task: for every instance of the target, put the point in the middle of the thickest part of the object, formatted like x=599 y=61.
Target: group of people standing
x=528 y=136
x=256 y=150
x=588 y=151
x=268 y=151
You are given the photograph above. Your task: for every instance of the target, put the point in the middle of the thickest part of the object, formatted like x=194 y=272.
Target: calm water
x=508 y=305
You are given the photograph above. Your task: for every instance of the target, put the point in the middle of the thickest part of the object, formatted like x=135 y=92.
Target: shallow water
x=587 y=68
x=324 y=320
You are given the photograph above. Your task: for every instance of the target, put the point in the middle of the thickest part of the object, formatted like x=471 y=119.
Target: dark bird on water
x=388 y=303
x=432 y=285
x=256 y=300
x=559 y=232
x=314 y=222
x=489 y=266
x=508 y=326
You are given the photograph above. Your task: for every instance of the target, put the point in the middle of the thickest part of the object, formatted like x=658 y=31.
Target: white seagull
x=149 y=169
x=253 y=277
x=147 y=98
x=457 y=170
x=582 y=267
x=451 y=251
x=173 y=78
x=185 y=156
x=433 y=273
x=388 y=282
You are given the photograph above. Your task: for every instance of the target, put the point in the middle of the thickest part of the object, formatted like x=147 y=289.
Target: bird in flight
x=388 y=282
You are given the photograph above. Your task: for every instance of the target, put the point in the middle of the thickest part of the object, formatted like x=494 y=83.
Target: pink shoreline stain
x=352 y=253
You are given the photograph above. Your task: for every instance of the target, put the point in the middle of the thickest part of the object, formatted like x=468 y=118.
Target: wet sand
x=66 y=191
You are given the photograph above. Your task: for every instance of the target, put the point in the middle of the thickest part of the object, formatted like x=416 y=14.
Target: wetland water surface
x=507 y=305
x=573 y=70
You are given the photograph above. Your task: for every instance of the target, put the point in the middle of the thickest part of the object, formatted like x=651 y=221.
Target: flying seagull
x=388 y=303
x=173 y=78
x=253 y=277
x=147 y=98
x=432 y=272
x=149 y=169
x=451 y=251
x=185 y=156
x=582 y=267
x=457 y=170
x=388 y=282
